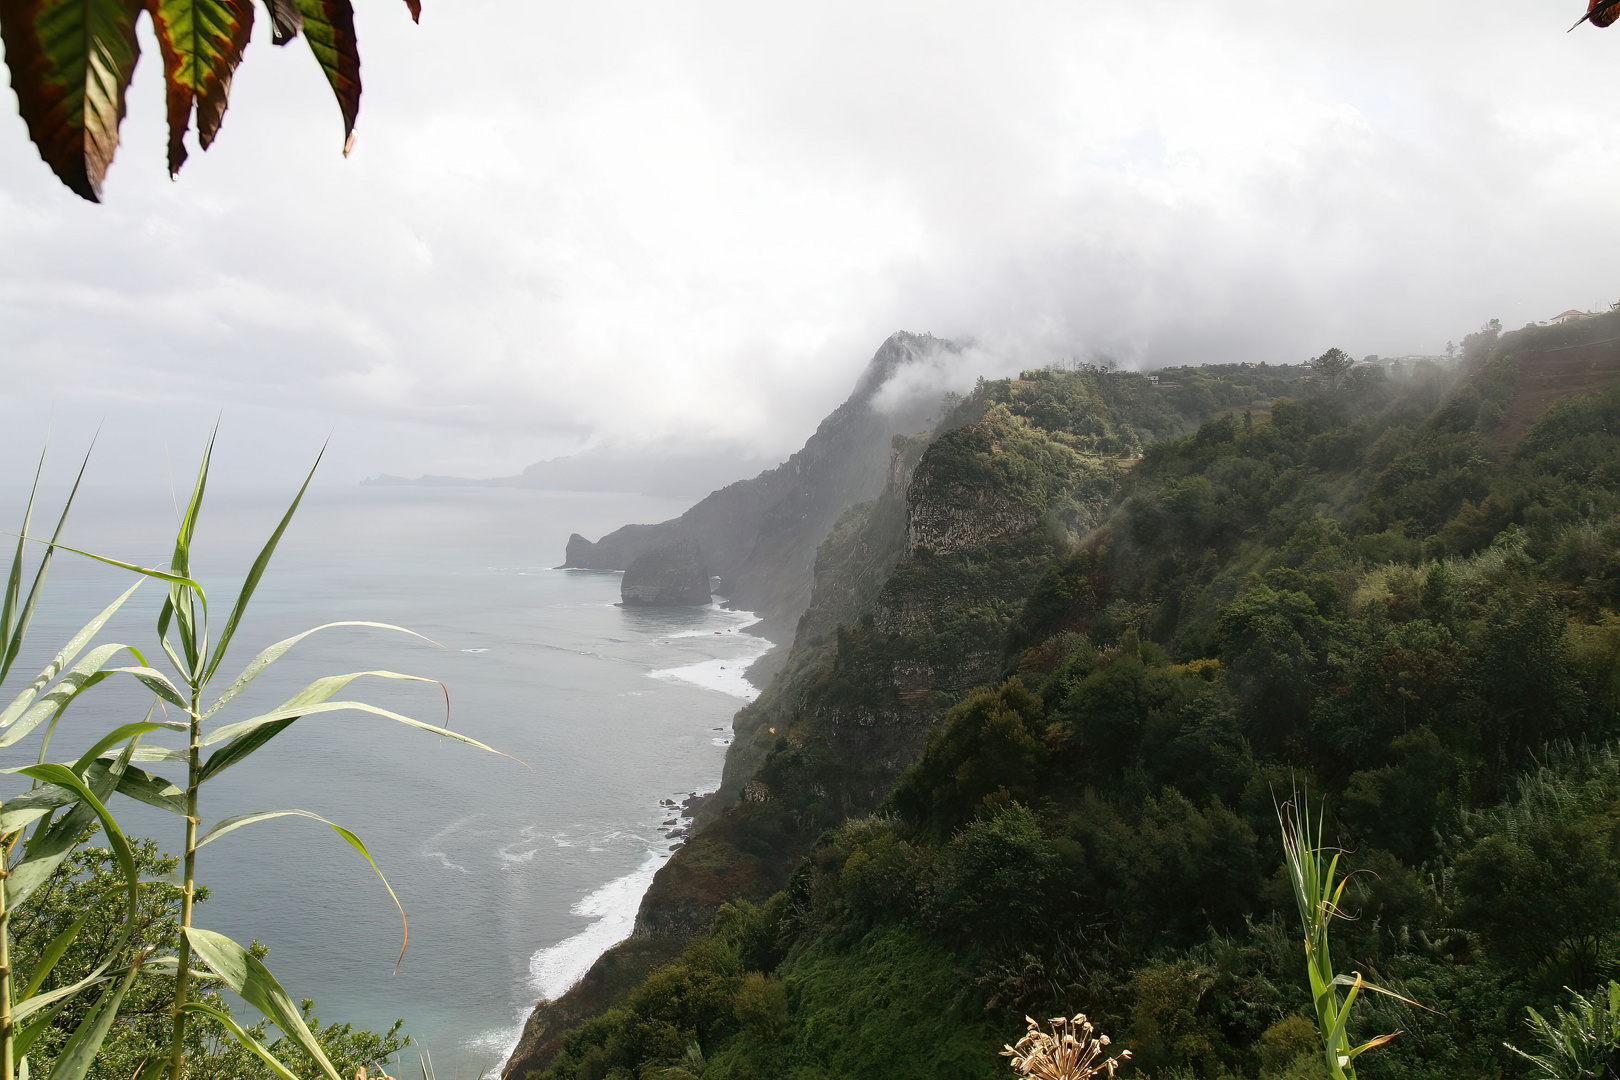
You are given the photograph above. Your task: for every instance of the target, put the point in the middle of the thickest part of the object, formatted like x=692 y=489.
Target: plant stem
x=182 y=975
x=8 y=1034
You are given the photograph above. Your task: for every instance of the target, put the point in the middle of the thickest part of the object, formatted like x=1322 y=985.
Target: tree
x=1330 y=372
x=71 y=62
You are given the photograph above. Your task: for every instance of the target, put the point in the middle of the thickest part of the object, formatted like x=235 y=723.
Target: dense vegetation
x=1357 y=593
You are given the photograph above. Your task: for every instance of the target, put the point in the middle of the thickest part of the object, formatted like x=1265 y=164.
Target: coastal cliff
x=672 y=575
x=912 y=599
x=759 y=536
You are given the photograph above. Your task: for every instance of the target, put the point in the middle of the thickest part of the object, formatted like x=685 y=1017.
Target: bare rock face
x=672 y=575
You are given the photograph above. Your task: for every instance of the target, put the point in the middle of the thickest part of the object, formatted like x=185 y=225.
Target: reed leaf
x=240 y=747
x=256 y=572
x=28 y=1034
x=231 y=731
x=14 y=620
x=152 y=790
x=62 y=776
x=231 y=824
x=85 y=1043
x=244 y=973
x=60 y=661
x=77 y=679
x=180 y=604
x=53 y=952
x=276 y=651
x=254 y=1045
x=9 y=620
x=112 y=738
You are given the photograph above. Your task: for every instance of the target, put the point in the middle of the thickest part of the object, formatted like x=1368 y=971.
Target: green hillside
x=1140 y=642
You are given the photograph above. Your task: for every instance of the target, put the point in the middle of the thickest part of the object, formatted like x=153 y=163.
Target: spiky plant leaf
x=244 y=973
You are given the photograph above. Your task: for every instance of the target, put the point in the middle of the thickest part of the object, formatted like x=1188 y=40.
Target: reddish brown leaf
x=416 y=10
x=285 y=20
x=1600 y=13
x=329 y=29
x=201 y=42
x=71 y=62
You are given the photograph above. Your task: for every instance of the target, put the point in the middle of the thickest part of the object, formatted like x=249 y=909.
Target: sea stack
x=670 y=575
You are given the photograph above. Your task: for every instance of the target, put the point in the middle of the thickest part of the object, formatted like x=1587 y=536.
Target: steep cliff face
x=897 y=625
x=911 y=600
x=760 y=535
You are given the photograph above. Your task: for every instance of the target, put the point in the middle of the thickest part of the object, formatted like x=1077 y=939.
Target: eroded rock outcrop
x=672 y=575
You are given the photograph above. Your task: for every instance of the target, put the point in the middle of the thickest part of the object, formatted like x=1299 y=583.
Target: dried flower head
x=1070 y=1052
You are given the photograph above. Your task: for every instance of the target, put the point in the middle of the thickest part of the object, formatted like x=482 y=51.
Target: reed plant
x=1318 y=891
x=69 y=800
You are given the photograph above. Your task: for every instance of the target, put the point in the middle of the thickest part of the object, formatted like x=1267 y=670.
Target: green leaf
x=183 y=592
x=152 y=790
x=19 y=621
x=201 y=42
x=157 y=682
x=276 y=651
x=72 y=649
x=248 y=1041
x=285 y=20
x=112 y=738
x=10 y=622
x=71 y=62
x=62 y=776
x=53 y=952
x=329 y=29
x=240 y=747
x=17 y=814
x=81 y=1049
x=256 y=572
x=79 y=678
x=29 y=1033
x=231 y=731
x=231 y=824
x=252 y=981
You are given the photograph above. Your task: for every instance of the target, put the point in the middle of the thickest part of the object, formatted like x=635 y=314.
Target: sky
x=641 y=227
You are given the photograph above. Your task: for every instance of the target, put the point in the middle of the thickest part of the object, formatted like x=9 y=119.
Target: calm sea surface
x=514 y=876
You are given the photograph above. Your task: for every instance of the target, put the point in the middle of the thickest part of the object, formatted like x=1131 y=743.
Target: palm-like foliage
x=1312 y=871
x=70 y=798
x=1581 y=1042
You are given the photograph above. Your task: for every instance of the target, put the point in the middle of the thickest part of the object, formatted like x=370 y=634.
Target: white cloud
x=621 y=224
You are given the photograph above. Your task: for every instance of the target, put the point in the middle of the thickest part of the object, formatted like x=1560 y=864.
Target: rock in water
x=673 y=574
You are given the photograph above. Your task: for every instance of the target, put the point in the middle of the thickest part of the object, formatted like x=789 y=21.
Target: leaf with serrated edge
x=329 y=29
x=285 y=20
x=201 y=42
x=252 y=981
x=71 y=62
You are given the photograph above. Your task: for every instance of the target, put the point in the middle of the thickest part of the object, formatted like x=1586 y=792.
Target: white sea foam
x=724 y=675
x=553 y=970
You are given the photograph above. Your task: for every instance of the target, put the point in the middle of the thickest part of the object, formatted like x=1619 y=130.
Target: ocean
x=515 y=872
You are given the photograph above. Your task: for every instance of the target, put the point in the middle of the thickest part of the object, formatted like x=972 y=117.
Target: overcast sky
x=624 y=225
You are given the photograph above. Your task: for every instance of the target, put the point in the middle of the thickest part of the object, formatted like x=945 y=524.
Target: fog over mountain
x=607 y=228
